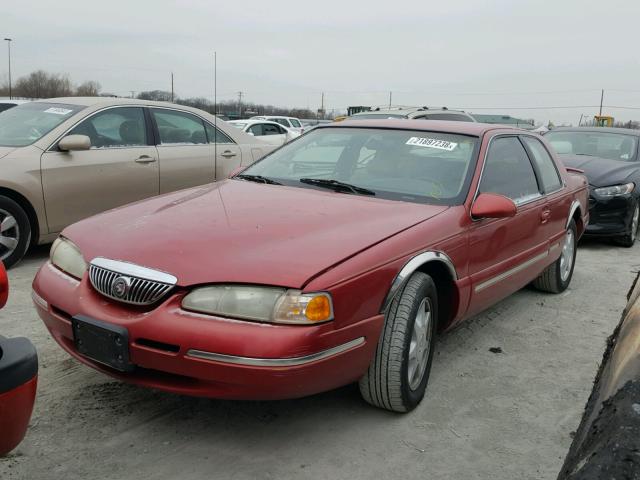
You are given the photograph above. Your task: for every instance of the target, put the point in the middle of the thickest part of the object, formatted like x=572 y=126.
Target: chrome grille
x=129 y=283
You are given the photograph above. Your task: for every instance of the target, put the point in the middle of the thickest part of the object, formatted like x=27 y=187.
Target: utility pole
x=133 y=93
x=171 y=87
x=9 y=40
x=390 y=95
x=322 y=106
x=240 y=94
x=601 y=98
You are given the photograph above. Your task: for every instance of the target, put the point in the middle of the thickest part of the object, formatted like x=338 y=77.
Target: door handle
x=545 y=216
x=145 y=159
x=228 y=154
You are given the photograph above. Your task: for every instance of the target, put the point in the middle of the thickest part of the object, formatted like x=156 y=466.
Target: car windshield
x=22 y=125
x=414 y=166
x=614 y=146
x=376 y=116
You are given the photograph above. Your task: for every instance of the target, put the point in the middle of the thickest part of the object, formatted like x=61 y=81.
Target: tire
x=15 y=232
x=387 y=383
x=557 y=276
x=629 y=239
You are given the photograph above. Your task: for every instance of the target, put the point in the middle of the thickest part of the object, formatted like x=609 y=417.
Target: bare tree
x=88 y=89
x=40 y=84
x=155 y=96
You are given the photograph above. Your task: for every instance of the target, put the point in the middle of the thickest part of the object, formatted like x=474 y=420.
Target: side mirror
x=491 y=205
x=72 y=143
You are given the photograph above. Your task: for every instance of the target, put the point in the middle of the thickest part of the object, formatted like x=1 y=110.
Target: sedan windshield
x=614 y=146
x=414 y=166
x=22 y=125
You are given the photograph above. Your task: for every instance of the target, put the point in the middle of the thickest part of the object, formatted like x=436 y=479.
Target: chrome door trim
x=126 y=268
x=410 y=267
x=275 y=362
x=512 y=271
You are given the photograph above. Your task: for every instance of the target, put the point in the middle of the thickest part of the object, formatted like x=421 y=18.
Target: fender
x=410 y=267
x=575 y=205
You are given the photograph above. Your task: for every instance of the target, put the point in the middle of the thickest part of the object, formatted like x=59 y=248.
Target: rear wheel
x=397 y=377
x=630 y=238
x=557 y=276
x=15 y=232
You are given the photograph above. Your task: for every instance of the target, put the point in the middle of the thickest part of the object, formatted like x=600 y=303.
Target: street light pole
x=9 y=40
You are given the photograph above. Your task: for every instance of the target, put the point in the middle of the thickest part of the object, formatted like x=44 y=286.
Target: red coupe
x=335 y=259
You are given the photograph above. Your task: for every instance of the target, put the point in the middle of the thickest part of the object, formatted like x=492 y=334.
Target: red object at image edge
x=15 y=412
x=4 y=286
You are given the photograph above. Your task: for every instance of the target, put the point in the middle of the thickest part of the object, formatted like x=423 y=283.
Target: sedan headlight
x=615 y=190
x=67 y=257
x=263 y=304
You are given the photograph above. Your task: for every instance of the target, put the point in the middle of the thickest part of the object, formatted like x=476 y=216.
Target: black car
x=611 y=161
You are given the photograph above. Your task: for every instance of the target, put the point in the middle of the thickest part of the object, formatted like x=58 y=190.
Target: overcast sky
x=489 y=57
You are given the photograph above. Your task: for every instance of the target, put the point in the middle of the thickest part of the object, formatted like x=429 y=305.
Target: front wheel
x=557 y=276
x=397 y=377
x=15 y=232
x=629 y=239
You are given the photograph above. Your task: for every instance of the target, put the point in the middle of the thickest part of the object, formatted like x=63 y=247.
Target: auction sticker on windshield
x=58 y=111
x=432 y=143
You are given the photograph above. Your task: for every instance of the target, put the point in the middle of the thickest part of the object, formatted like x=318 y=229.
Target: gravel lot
x=486 y=415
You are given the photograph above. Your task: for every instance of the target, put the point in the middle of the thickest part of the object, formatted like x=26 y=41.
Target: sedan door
x=120 y=167
x=186 y=157
x=271 y=133
x=507 y=253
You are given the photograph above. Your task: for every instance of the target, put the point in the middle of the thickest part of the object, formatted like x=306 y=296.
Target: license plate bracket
x=102 y=342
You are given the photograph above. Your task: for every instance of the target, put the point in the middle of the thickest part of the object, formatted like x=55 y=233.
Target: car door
x=185 y=155
x=273 y=134
x=507 y=253
x=120 y=167
x=228 y=155
x=558 y=202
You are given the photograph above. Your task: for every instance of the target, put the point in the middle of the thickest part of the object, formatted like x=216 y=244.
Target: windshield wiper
x=257 y=179
x=337 y=186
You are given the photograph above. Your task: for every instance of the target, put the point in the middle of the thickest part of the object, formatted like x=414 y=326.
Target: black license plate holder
x=102 y=342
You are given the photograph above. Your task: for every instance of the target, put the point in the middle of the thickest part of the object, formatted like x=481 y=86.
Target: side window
x=281 y=121
x=216 y=136
x=295 y=123
x=179 y=127
x=269 y=129
x=256 y=129
x=114 y=128
x=508 y=171
x=549 y=174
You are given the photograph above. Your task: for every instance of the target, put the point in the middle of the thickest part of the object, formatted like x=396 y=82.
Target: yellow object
x=603 y=121
x=318 y=309
x=340 y=118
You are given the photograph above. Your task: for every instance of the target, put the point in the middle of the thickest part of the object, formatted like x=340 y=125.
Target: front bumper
x=201 y=355
x=610 y=216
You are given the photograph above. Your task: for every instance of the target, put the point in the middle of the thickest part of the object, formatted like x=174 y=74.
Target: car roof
x=444 y=126
x=99 y=101
x=626 y=131
x=14 y=102
x=256 y=120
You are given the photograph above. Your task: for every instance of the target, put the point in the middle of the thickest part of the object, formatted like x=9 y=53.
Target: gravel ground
x=486 y=415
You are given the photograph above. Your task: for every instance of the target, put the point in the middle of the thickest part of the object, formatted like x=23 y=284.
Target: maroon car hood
x=238 y=231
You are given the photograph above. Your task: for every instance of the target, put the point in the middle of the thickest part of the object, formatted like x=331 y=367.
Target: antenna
x=215 y=115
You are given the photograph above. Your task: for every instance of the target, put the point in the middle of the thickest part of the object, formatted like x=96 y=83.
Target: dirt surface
x=503 y=415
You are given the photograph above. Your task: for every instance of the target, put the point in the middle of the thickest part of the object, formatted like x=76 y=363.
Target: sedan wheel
x=557 y=276
x=15 y=232
x=397 y=377
x=630 y=238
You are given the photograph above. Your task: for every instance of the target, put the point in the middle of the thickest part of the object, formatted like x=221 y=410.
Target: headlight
x=263 y=304
x=615 y=190
x=67 y=257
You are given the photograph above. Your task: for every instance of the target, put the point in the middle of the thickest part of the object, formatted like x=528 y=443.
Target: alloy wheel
x=566 y=259
x=420 y=344
x=635 y=221
x=9 y=234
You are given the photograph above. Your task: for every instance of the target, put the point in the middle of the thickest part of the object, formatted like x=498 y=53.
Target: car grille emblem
x=120 y=287
x=129 y=283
